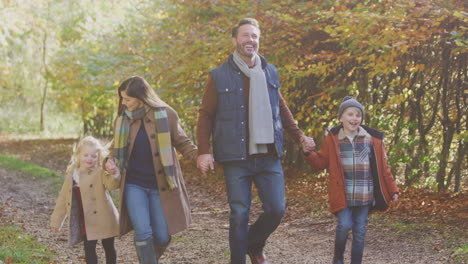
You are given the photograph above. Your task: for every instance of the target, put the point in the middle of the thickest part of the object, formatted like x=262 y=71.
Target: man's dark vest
x=230 y=125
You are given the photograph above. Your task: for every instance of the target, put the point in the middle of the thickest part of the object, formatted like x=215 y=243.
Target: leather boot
x=160 y=249
x=145 y=251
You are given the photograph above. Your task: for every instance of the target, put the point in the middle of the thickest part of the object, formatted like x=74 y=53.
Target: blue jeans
x=355 y=218
x=146 y=213
x=267 y=175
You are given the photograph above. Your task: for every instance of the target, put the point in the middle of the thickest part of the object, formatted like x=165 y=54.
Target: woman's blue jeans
x=146 y=213
x=354 y=218
x=267 y=175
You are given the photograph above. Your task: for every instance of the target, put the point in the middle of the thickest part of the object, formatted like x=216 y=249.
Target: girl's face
x=88 y=157
x=351 y=120
x=131 y=103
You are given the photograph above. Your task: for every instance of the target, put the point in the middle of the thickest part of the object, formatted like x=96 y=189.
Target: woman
x=153 y=198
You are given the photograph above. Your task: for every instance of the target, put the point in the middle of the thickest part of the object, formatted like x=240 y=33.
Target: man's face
x=247 y=41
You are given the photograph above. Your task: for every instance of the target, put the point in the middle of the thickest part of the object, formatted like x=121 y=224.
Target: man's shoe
x=259 y=259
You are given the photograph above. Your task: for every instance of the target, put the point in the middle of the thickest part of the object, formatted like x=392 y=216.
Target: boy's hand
x=111 y=167
x=307 y=144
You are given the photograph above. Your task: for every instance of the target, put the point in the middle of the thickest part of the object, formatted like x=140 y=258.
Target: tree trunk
x=46 y=82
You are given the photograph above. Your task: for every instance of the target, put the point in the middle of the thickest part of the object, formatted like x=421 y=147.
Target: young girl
x=359 y=177
x=85 y=200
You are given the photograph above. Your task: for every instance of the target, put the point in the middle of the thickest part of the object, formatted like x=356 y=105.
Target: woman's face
x=131 y=103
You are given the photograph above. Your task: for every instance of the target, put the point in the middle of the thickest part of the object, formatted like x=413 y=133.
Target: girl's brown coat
x=174 y=202
x=100 y=214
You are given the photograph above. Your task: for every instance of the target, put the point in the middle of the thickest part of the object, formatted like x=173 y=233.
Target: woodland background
x=61 y=62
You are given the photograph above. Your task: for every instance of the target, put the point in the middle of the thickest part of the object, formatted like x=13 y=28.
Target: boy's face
x=351 y=120
x=88 y=157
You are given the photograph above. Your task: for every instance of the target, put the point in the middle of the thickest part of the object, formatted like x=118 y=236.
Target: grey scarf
x=260 y=116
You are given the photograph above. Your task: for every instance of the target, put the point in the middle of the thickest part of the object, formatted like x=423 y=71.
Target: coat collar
x=361 y=133
x=372 y=132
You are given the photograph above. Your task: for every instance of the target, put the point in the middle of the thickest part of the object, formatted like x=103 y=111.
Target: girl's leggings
x=90 y=251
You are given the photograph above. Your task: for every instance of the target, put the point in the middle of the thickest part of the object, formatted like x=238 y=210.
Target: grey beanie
x=349 y=101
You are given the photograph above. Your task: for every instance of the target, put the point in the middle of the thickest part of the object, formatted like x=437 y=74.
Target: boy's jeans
x=267 y=174
x=146 y=213
x=354 y=218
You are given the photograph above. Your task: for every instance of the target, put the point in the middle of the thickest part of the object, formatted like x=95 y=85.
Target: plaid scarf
x=122 y=128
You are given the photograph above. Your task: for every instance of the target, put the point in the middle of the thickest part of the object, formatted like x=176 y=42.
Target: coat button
x=159 y=171
x=90 y=186
x=156 y=154
x=153 y=136
x=95 y=212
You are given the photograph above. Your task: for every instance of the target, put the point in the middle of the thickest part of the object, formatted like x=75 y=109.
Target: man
x=244 y=112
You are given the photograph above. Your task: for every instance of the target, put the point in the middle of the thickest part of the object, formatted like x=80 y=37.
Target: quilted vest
x=230 y=125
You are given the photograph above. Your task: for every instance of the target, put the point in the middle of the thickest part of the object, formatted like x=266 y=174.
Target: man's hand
x=205 y=162
x=307 y=144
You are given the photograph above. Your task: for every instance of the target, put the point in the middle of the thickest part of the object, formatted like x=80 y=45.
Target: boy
x=359 y=177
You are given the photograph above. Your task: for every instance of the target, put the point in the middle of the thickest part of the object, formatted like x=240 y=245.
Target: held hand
x=111 y=167
x=395 y=197
x=205 y=162
x=307 y=144
x=54 y=229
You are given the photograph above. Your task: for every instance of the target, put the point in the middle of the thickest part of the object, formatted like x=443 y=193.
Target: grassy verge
x=18 y=247
x=15 y=245
x=32 y=170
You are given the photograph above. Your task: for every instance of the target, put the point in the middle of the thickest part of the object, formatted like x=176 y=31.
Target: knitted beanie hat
x=349 y=101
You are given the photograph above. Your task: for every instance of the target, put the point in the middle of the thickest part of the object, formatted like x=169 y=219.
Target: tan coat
x=100 y=214
x=175 y=203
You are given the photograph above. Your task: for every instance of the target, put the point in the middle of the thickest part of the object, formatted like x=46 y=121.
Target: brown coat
x=100 y=214
x=329 y=158
x=175 y=203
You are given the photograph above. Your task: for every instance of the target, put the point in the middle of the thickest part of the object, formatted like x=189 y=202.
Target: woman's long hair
x=138 y=87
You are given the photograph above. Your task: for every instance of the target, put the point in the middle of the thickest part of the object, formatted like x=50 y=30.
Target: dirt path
x=303 y=241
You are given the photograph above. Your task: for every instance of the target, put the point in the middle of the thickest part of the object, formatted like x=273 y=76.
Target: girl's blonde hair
x=88 y=141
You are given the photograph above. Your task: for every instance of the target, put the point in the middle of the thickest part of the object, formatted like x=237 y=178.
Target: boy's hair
x=349 y=101
x=78 y=147
x=244 y=21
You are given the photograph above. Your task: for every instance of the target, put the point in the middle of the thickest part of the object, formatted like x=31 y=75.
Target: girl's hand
x=54 y=229
x=111 y=167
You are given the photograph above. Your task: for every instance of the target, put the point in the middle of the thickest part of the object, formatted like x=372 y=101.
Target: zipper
x=354 y=170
